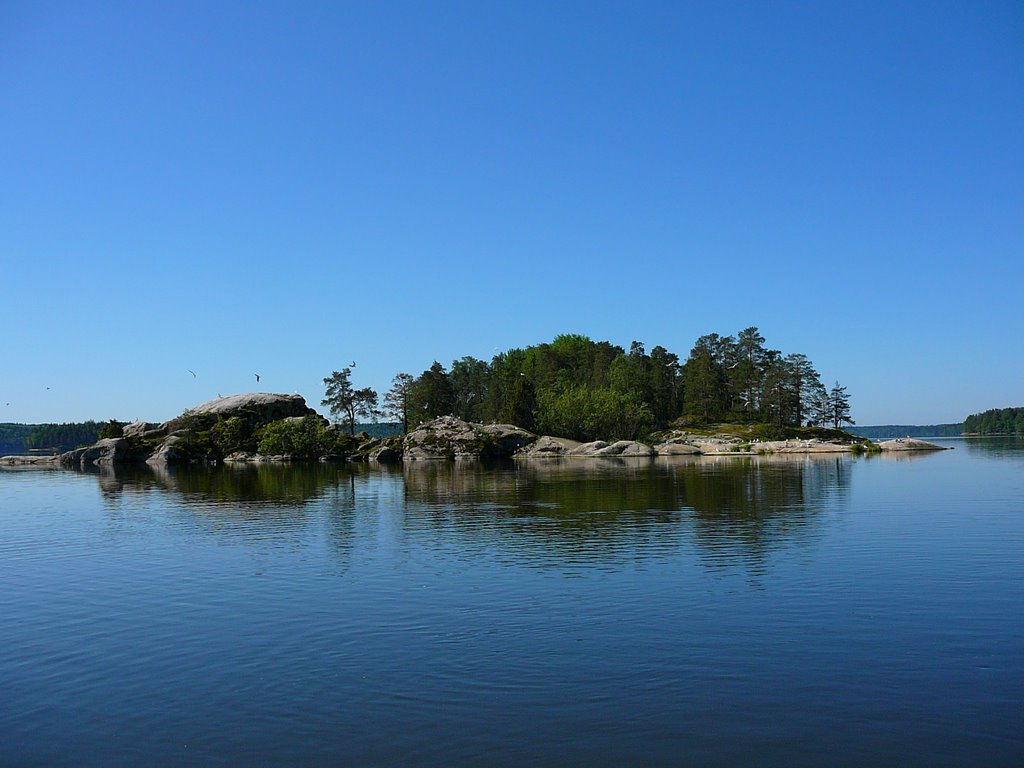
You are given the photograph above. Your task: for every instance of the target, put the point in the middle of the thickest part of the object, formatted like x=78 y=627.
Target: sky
x=287 y=188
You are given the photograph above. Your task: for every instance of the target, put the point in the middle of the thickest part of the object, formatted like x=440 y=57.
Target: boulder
x=589 y=449
x=449 y=437
x=676 y=449
x=508 y=438
x=547 y=446
x=624 y=448
x=144 y=429
x=105 y=452
x=386 y=454
x=909 y=444
x=168 y=452
x=258 y=408
x=30 y=461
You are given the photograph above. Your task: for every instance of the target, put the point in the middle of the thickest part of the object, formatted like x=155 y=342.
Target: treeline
x=886 y=431
x=583 y=389
x=12 y=438
x=63 y=437
x=997 y=421
x=21 y=438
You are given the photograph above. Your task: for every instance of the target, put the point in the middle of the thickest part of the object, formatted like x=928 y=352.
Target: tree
x=112 y=428
x=839 y=406
x=804 y=382
x=346 y=402
x=396 y=399
x=431 y=395
x=469 y=381
x=703 y=385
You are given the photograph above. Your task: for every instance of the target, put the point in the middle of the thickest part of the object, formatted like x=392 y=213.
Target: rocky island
x=266 y=427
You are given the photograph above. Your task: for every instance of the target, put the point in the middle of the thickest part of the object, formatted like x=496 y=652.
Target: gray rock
x=625 y=448
x=105 y=452
x=508 y=438
x=386 y=454
x=30 y=461
x=168 y=452
x=676 y=449
x=547 y=446
x=589 y=449
x=142 y=429
x=909 y=444
x=449 y=437
x=257 y=408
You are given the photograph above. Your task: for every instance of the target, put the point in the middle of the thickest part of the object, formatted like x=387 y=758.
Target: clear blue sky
x=284 y=188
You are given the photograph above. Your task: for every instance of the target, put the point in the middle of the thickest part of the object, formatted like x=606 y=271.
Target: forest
x=583 y=389
x=996 y=421
x=18 y=438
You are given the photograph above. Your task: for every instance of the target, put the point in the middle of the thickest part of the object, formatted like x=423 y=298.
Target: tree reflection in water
x=554 y=512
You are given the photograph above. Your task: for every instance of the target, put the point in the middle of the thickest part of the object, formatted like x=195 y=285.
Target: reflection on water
x=568 y=511
x=579 y=612
x=1003 y=446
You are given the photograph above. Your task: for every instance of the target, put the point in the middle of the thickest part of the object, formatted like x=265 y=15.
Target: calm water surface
x=787 y=611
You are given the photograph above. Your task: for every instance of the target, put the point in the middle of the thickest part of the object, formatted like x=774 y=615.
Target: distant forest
x=997 y=421
x=887 y=431
x=583 y=389
x=21 y=438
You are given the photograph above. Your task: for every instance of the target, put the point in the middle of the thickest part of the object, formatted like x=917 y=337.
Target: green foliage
x=305 y=438
x=430 y=395
x=582 y=413
x=997 y=421
x=112 y=428
x=231 y=435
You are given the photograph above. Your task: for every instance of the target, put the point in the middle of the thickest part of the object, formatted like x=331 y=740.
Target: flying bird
x=192 y=372
x=352 y=364
x=257 y=377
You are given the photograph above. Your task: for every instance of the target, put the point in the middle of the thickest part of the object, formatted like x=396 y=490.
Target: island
x=261 y=427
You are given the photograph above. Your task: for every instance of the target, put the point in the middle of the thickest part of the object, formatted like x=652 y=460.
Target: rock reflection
x=547 y=513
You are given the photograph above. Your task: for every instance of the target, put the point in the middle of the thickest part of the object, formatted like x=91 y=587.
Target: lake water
x=791 y=611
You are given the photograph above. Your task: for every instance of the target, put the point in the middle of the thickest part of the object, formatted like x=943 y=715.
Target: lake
x=735 y=611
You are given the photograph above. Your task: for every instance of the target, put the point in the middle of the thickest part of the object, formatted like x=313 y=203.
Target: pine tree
x=396 y=399
x=344 y=401
x=839 y=406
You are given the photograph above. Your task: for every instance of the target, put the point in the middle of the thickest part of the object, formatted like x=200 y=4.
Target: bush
x=306 y=438
x=112 y=428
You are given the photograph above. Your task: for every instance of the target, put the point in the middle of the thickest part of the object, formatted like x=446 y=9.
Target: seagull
x=257 y=377
x=192 y=372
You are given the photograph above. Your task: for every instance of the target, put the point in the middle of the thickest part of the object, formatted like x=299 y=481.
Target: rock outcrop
x=29 y=461
x=449 y=437
x=105 y=452
x=623 y=448
x=257 y=408
x=171 y=442
x=909 y=444
x=547 y=447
